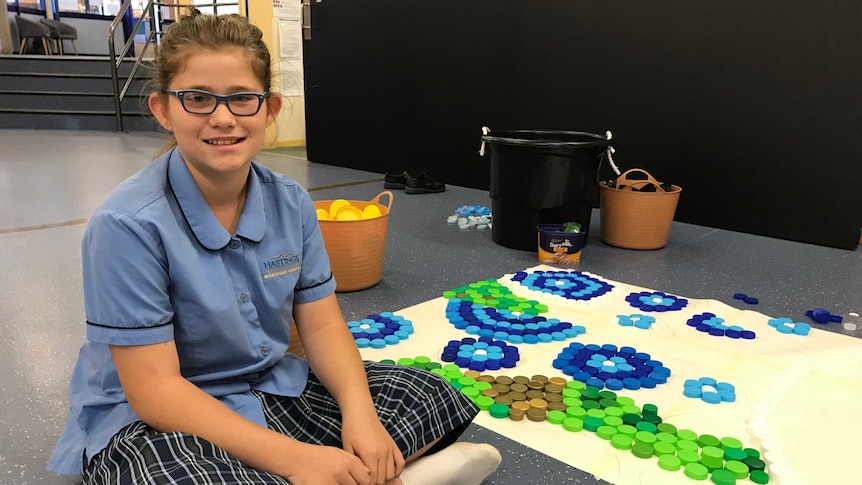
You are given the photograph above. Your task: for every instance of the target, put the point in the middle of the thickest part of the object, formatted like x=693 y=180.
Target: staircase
x=70 y=92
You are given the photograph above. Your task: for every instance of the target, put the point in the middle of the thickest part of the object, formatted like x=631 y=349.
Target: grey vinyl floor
x=50 y=182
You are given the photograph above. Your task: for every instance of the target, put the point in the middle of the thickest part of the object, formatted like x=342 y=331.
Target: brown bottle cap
x=521 y=405
x=553 y=397
x=518 y=387
x=559 y=381
x=540 y=378
x=539 y=404
x=536 y=414
x=556 y=406
x=517 y=396
x=487 y=378
x=536 y=385
x=516 y=414
x=503 y=400
x=553 y=388
x=535 y=393
x=471 y=373
x=490 y=393
x=521 y=379
x=501 y=388
x=505 y=380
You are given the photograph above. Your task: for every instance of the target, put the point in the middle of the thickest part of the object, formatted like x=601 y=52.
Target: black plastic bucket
x=541 y=177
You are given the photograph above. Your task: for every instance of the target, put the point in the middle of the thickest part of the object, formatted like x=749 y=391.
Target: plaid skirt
x=415 y=406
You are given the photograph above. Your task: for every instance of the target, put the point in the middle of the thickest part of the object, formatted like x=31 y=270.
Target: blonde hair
x=196 y=32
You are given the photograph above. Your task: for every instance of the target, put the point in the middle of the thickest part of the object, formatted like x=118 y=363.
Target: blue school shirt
x=158 y=266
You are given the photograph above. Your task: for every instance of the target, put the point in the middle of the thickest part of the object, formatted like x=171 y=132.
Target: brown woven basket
x=637 y=220
x=356 y=248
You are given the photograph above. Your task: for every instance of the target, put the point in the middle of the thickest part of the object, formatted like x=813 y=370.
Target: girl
x=193 y=270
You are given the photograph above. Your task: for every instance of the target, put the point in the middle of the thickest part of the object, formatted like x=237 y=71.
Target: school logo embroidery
x=281 y=264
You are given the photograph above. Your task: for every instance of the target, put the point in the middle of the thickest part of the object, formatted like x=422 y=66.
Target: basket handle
x=623 y=179
x=376 y=200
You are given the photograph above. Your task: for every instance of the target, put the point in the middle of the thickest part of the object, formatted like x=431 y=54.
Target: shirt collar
x=206 y=228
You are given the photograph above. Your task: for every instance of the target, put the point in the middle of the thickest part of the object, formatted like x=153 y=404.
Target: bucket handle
x=632 y=183
x=376 y=200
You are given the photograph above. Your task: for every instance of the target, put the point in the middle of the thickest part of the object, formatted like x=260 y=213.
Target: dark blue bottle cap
x=493 y=365
x=748 y=334
x=739 y=296
x=716 y=332
x=751 y=300
x=595 y=382
x=733 y=333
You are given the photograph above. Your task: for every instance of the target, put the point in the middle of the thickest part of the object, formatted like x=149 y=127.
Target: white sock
x=460 y=463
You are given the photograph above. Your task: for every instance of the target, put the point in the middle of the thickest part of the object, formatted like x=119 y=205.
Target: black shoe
x=395 y=180
x=423 y=184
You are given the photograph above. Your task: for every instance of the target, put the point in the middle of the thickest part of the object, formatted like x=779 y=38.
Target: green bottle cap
x=606 y=394
x=614 y=411
x=387 y=361
x=481 y=385
x=630 y=408
x=587 y=404
x=646 y=426
x=457 y=385
x=592 y=423
x=467 y=381
x=576 y=412
x=606 y=432
x=738 y=468
x=406 y=361
x=621 y=442
x=759 y=476
x=596 y=413
x=576 y=385
x=752 y=452
x=686 y=434
x=451 y=367
x=688 y=456
x=613 y=421
x=627 y=430
x=666 y=437
x=686 y=445
x=631 y=419
x=696 y=471
x=670 y=463
x=422 y=359
x=662 y=448
x=652 y=418
x=572 y=402
x=439 y=372
x=754 y=463
x=608 y=403
x=642 y=450
x=499 y=410
x=573 y=424
x=591 y=393
x=666 y=428
x=453 y=375
x=471 y=392
x=556 y=417
x=645 y=437
x=708 y=440
x=713 y=453
x=432 y=366
x=723 y=477
x=734 y=454
x=650 y=409
x=448 y=294
x=728 y=442
x=624 y=401
x=484 y=402
x=569 y=392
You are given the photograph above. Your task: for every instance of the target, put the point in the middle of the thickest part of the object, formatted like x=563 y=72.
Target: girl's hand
x=368 y=439
x=326 y=465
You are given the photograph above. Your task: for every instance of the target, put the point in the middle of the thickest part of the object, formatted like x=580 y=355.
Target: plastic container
x=556 y=246
x=356 y=248
x=633 y=219
x=541 y=177
x=852 y=322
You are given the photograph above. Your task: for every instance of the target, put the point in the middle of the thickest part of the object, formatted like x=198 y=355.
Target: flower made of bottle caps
x=484 y=354
x=708 y=322
x=571 y=285
x=378 y=331
x=502 y=324
x=656 y=301
x=636 y=320
x=788 y=326
x=608 y=366
x=709 y=390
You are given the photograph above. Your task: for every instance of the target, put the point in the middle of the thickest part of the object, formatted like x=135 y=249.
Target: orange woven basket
x=356 y=249
x=637 y=220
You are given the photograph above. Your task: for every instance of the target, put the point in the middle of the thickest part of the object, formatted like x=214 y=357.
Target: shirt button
x=234 y=243
x=243 y=297
x=264 y=350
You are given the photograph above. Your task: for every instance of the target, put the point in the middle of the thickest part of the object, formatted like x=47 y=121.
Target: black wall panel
x=754 y=108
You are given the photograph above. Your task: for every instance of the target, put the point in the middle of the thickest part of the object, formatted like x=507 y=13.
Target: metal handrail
x=155 y=33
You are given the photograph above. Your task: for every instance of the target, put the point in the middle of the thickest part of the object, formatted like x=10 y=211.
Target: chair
x=28 y=29
x=60 y=32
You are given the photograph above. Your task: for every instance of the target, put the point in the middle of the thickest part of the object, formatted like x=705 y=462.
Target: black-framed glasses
x=199 y=102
